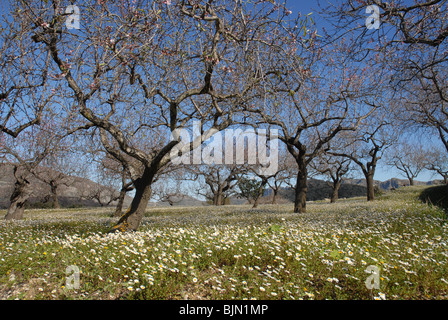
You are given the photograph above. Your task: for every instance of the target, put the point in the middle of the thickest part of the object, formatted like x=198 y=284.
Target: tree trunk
x=370 y=186
x=217 y=197
x=274 y=196
x=335 y=192
x=411 y=181
x=259 y=194
x=54 y=194
x=130 y=220
x=18 y=199
x=119 y=207
x=301 y=186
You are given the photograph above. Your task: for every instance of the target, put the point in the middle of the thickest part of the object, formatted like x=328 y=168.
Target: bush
x=378 y=191
x=39 y=205
x=437 y=195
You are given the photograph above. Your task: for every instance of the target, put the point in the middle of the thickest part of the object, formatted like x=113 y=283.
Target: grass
x=232 y=252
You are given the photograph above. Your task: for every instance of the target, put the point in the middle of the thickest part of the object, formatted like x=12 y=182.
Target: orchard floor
x=232 y=252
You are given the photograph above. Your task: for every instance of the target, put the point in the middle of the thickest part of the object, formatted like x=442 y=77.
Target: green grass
x=232 y=252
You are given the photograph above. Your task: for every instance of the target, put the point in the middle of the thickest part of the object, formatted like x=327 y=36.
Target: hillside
x=74 y=195
x=393 y=183
x=319 y=190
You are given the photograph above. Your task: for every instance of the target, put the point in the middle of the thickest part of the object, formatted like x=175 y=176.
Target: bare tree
x=410 y=40
x=169 y=186
x=408 y=158
x=334 y=168
x=219 y=181
x=25 y=90
x=313 y=101
x=282 y=177
x=401 y=23
x=286 y=170
x=60 y=168
x=25 y=153
x=366 y=147
x=437 y=161
x=153 y=68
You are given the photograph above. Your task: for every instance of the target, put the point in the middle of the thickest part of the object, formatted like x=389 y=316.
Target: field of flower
x=232 y=252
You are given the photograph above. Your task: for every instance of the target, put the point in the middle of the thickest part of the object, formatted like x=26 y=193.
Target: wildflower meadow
x=232 y=252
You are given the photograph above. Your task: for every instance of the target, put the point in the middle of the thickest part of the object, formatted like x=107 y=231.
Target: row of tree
x=135 y=72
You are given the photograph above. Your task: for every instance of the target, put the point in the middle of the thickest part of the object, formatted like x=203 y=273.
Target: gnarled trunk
x=217 y=197
x=18 y=199
x=274 y=196
x=119 y=207
x=130 y=220
x=54 y=194
x=335 y=191
x=370 y=186
x=260 y=192
x=301 y=185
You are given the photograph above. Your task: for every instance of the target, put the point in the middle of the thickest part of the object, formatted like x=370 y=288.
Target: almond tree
x=24 y=89
x=219 y=180
x=287 y=170
x=25 y=153
x=408 y=158
x=437 y=161
x=333 y=167
x=410 y=41
x=401 y=23
x=425 y=104
x=312 y=101
x=139 y=71
x=59 y=168
x=366 y=147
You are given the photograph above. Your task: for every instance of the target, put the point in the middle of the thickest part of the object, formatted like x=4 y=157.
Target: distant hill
x=181 y=200
x=391 y=183
x=319 y=190
x=69 y=196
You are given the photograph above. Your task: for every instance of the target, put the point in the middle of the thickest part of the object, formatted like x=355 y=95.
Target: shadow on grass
x=437 y=196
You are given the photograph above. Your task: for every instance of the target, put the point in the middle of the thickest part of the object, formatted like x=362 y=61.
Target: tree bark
x=130 y=220
x=18 y=199
x=119 y=207
x=370 y=186
x=259 y=193
x=274 y=196
x=54 y=194
x=301 y=185
x=335 y=191
x=217 y=197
